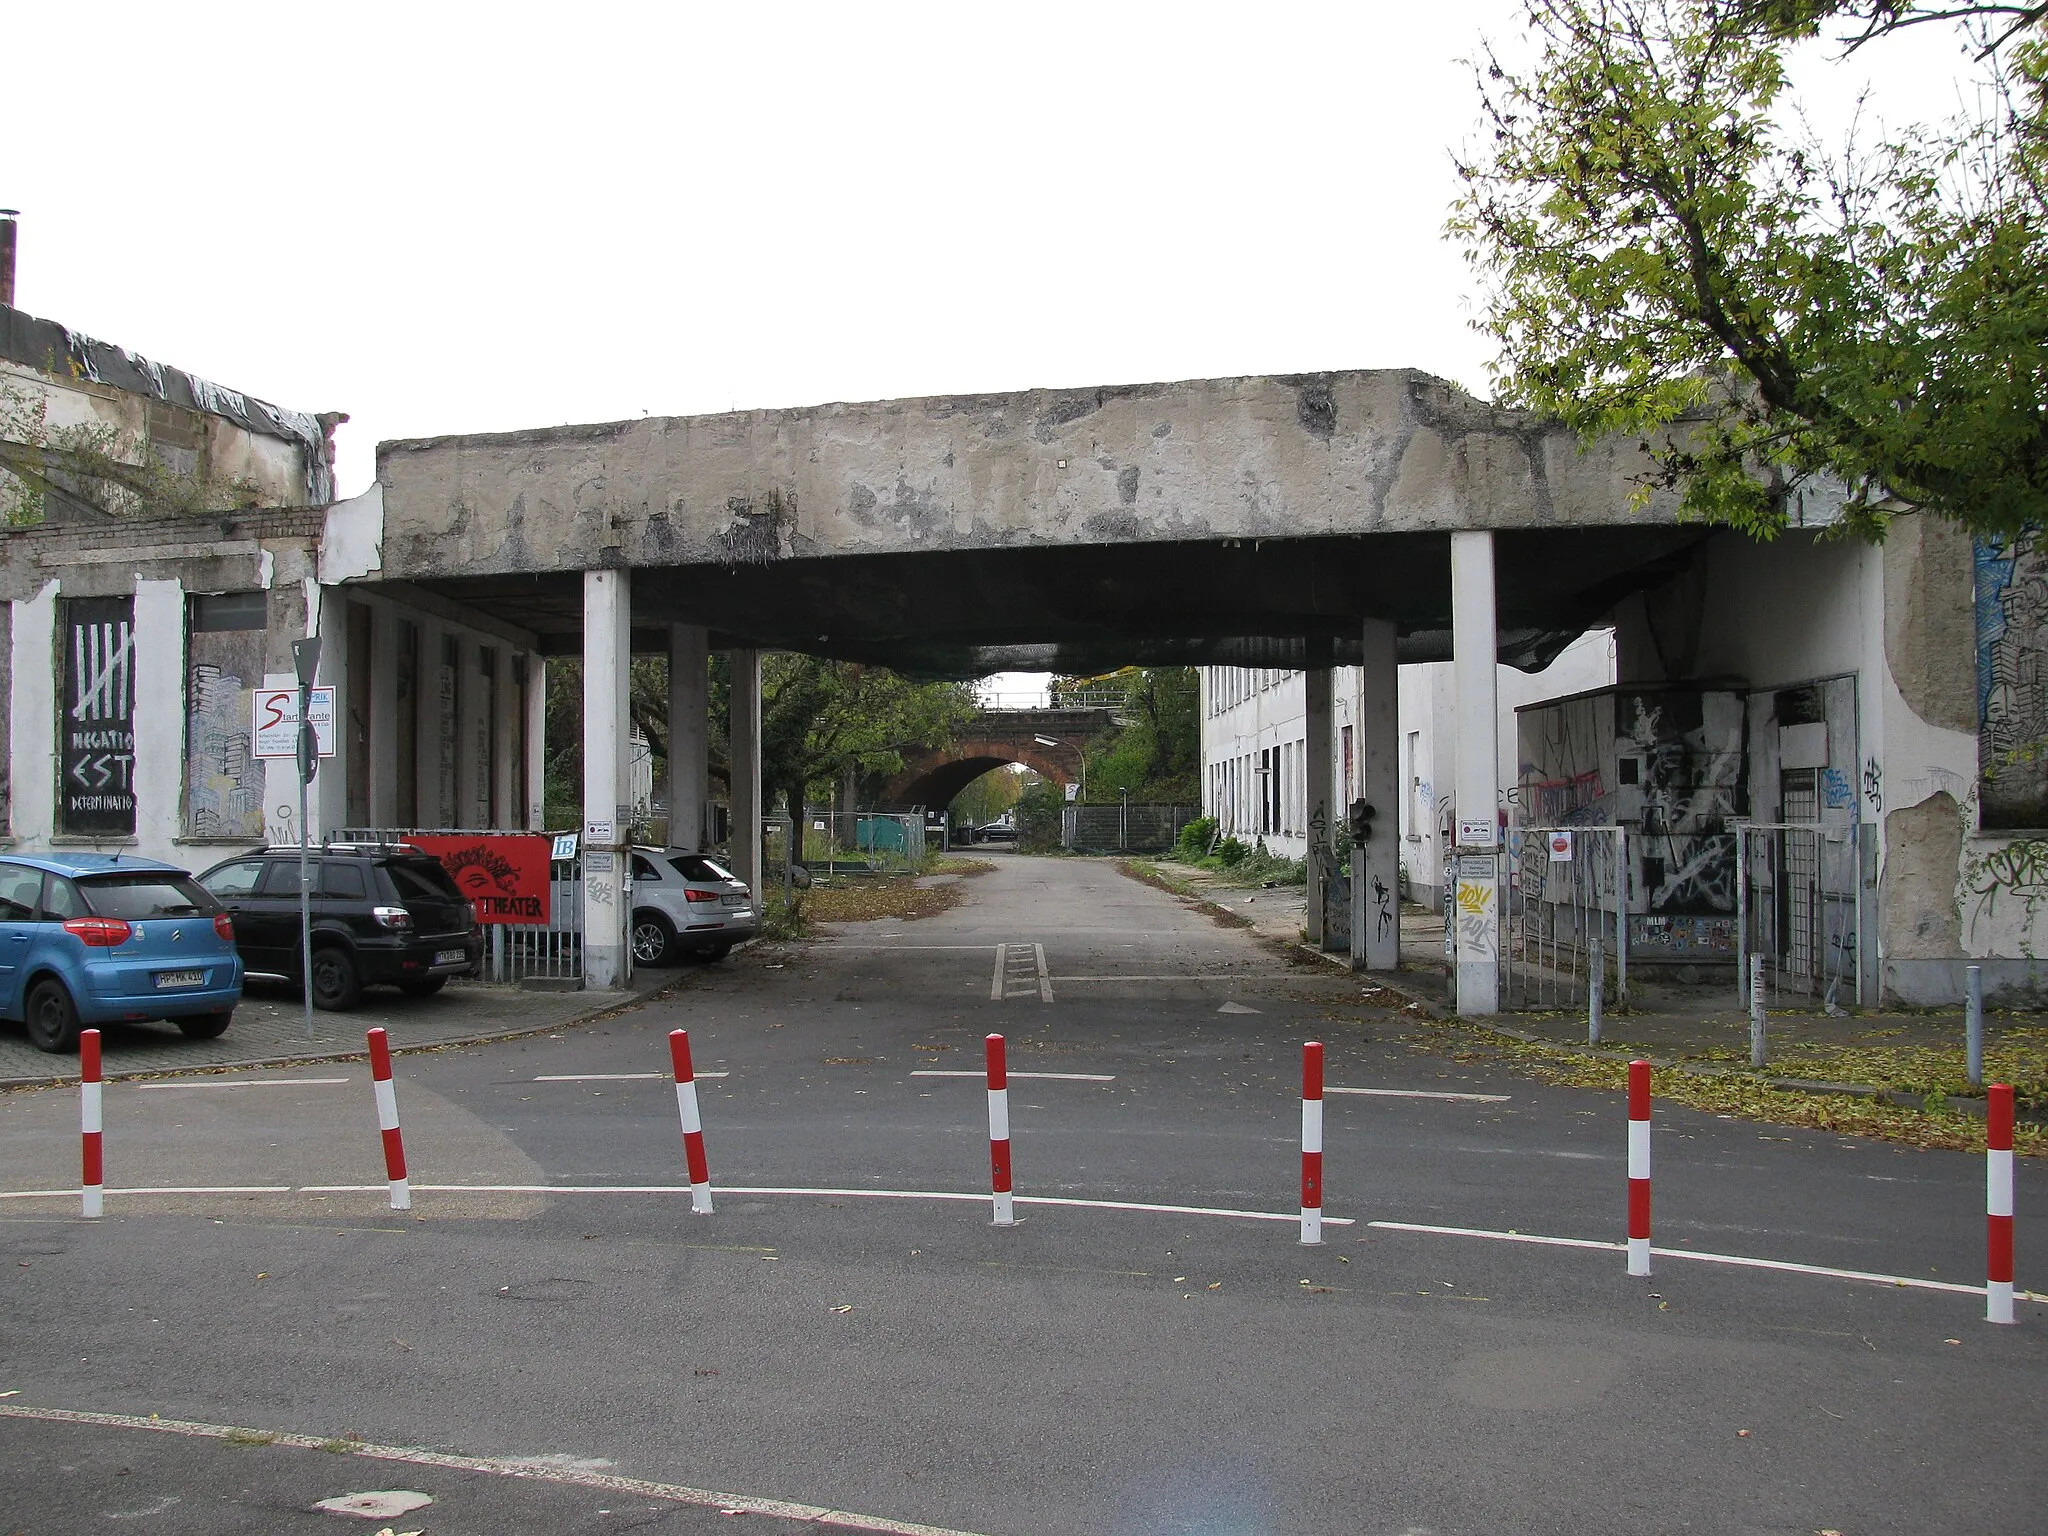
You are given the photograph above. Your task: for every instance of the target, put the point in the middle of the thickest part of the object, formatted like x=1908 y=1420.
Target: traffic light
x=1359 y=820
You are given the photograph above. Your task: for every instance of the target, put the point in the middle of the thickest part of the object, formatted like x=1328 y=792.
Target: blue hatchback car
x=95 y=938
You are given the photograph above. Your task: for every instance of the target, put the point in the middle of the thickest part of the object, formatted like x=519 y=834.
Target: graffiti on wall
x=223 y=781
x=2012 y=681
x=1688 y=763
x=96 y=725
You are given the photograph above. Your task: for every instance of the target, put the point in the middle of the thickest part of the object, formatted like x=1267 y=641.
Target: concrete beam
x=1326 y=454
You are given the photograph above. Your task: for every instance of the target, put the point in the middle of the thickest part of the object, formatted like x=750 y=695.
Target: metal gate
x=1563 y=901
x=1801 y=907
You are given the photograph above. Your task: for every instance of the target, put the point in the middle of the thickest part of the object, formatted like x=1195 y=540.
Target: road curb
x=605 y=1005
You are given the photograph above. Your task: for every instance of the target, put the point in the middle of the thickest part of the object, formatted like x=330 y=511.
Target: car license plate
x=736 y=901
x=166 y=979
x=450 y=956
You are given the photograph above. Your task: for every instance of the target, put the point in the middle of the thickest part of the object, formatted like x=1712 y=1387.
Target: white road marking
x=1055 y=1077
x=574 y=1477
x=995 y=990
x=617 y=1077
x=1236 y=1007
x=1226 y=976
x=1290 y=1217
x=1743 y=1261
x=246 y=1082
x=1420 y=1093
x=832 y=944
x=174 y=1189
x=1044 y=975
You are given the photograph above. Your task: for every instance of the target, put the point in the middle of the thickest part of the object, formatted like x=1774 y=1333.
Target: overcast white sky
x=447 y=218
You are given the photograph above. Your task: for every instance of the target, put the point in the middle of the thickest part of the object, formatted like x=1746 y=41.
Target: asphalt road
x=1090 y=1370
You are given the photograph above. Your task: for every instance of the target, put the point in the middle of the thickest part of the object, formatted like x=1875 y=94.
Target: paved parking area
x=270 y=1026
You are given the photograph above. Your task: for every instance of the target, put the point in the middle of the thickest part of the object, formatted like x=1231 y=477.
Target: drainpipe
x=7 y=229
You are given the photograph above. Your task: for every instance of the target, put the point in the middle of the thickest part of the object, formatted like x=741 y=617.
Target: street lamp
x=1080 y=756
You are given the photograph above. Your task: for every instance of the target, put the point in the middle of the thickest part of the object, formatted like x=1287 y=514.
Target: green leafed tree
x=1156 y=756
x=820 y=719
x=1666 y=253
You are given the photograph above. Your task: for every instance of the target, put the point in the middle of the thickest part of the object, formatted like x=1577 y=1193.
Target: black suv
x=382 y=914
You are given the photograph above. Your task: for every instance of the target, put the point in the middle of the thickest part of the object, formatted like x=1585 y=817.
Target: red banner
x=505 y=875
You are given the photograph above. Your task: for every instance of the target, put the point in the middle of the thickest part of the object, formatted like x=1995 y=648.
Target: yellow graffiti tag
x=1476 y=899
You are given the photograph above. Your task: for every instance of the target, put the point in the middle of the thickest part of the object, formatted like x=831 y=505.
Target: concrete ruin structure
x=1360 y=520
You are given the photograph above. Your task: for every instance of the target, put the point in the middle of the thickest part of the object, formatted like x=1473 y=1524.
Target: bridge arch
x=932 y=777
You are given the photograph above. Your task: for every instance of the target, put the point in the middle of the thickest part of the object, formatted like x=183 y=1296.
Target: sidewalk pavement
x=1902 y=1056
x=270 y=1028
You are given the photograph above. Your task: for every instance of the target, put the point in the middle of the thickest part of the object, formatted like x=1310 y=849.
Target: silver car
x=687 y=904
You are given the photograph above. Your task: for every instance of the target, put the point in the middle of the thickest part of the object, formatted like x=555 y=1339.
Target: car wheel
x=51 y=1018
x=337 y=986
x=426 y=986
x=653 y=939
x=206 y=1026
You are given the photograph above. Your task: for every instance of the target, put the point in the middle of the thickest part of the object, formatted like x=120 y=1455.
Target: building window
x=224 y=783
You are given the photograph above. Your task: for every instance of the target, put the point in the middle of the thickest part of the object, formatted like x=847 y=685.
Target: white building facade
x=1255 y=746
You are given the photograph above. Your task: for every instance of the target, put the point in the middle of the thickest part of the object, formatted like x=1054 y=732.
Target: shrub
x=1193 y=842
x=1231 y=852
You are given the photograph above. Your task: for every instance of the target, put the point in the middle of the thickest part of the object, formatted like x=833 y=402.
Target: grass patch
x=341 y=1446
x=1748 y=1096
x=881 y=896
x=248 y=1437
x=948 y=864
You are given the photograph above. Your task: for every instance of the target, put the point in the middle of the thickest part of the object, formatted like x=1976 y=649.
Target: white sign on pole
x=1073 y=791
x=1560 y=847
x=274 y=731
x=1478 y=833
x=564 y=848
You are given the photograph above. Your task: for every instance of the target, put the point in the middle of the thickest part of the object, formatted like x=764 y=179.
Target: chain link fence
x=1123 y=828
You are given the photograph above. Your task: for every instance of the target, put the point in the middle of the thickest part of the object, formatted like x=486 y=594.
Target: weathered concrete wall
x=1336 y=453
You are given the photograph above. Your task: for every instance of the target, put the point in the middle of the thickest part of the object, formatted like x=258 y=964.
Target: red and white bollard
x=1998 y=1204
x=387 y=1120
x=92 y=1188
x=693 y=1121
x=1639 y=1167
x=1312 y=1142
x=999 y=1131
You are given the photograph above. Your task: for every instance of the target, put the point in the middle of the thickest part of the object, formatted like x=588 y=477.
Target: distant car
x=384 y=914
x=687 y=904
x=94 y=938
x=1002 y=830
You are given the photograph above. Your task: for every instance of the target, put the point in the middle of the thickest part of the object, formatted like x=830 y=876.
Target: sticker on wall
x=1483 y=832
x=1560 y=847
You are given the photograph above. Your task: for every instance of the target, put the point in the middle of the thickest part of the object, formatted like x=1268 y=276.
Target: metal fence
x=1123 y=828
x=862 y=842
x=1801 y=909
x=1564 y=909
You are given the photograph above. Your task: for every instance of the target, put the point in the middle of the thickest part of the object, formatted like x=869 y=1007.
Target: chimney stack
x=7 y=228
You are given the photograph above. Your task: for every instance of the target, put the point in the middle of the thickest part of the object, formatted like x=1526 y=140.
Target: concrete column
x=745 y=751
x=384 y=764
x=158 y=764
x=506 y=729
x=607 y=658
x=429 y=729
x=688 y=736
x=1317 y=810
x=1474 y=651
x=1376 y=864
x=535 y=809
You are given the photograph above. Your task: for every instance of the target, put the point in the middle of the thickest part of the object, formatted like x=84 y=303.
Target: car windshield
x=422 y=880
x=146 y=895
x=694 y=866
